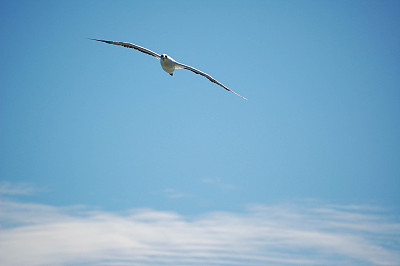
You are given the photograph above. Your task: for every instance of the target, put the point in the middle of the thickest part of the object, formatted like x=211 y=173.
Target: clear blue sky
x=91 y=124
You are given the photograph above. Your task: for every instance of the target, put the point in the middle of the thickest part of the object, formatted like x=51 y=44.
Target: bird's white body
x=168 y=63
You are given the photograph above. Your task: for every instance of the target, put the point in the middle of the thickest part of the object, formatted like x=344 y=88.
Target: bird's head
x=164 y=56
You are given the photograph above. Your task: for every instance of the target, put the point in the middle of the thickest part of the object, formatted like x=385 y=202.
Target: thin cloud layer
x=34 y=234
x=7 y=188
x=219 y=183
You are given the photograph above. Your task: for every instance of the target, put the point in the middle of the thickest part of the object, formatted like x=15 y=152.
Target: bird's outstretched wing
x=207 y=76
x=133 y=46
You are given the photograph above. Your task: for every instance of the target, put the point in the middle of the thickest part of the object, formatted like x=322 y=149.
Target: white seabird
x=168 y=63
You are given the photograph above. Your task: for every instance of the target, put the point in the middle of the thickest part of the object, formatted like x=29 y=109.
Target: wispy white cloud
x=7 y=188
x=219 y=183
x=173 y=193
x=310 y=234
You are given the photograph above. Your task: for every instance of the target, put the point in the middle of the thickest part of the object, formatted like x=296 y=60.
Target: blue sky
x=103 y=127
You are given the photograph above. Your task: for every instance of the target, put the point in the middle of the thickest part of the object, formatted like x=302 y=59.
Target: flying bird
x=168 y=63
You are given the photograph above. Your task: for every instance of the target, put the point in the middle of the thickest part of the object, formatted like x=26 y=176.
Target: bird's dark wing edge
x=132 y=46
x=194 y=70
